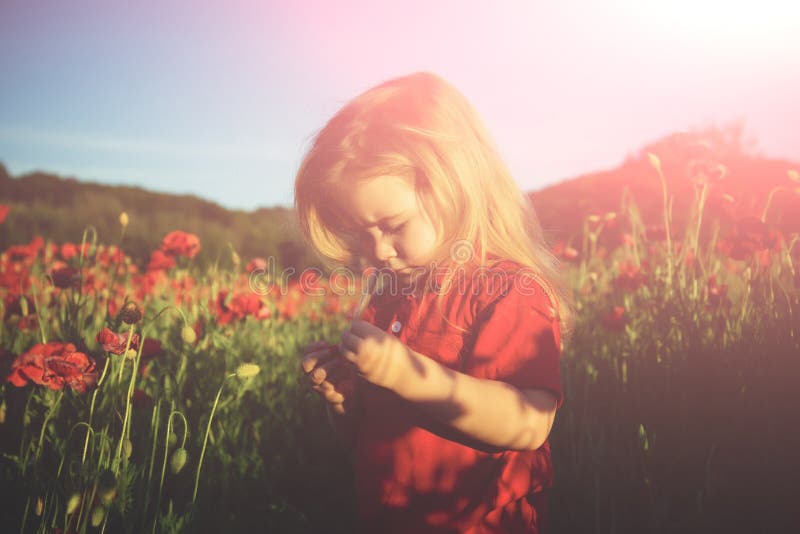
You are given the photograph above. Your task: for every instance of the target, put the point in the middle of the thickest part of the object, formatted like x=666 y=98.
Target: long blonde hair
x=421 y=128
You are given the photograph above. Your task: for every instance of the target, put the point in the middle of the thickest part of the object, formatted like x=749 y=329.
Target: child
x=448 y=384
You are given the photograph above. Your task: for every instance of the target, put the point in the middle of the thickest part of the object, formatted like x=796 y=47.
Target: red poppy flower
x=115 y=343
x=259 y=264
x=178 y=243
x=55 y=365
x=614 y=319
x=151 y=348
x=565 y=252
x=160 y=261
x=141 y=400
x=716 y=294
x=3 y=212
x=656 y=233
x=751 y=236
x=66 y=277
x=630 y=277
x=239 y=306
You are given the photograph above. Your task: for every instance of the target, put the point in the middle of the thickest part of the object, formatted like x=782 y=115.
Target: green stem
x=91 y=409
x=205 y=439
x=47 y=420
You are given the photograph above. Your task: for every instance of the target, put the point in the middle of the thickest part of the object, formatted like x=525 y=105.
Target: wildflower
x=178 y=243
x=130 y=313
x=614 y=319
x=151 y=348
x=141 y=400
x=160 y=261
x=751 y=236
x=66 y=277
x=115 y=343
x=565 y=252
x=55 y=365
x=256 y=264
x=247 y=370
x=716 y=294
x=630 y=276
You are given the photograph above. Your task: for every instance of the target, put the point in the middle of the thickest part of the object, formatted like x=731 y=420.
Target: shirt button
x=396 y=326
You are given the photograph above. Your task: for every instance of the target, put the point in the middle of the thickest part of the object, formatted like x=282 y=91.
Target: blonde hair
x=421 y=128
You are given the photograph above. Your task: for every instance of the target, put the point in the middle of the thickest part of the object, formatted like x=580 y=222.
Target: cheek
x=420 y=242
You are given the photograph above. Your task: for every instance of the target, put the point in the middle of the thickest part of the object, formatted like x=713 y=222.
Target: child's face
x=391 y=227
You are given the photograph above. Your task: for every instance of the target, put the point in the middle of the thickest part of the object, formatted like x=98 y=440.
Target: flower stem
x=205 y=439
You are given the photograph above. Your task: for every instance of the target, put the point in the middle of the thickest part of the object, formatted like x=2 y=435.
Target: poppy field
x=168 y=398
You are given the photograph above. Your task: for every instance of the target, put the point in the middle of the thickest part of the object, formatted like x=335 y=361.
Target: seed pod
x=247 y=370
x=123 y=219
x=172 y=439
x=98 y=514
x=73 y=503
x=130 y=313
x=178 y=460
x=188 y=335
x=107 y=486
x=127 y=448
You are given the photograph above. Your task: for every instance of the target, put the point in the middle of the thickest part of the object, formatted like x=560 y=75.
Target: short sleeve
x=516 y=339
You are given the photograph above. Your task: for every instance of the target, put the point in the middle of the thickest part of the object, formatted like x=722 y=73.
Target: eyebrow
x=387 y=218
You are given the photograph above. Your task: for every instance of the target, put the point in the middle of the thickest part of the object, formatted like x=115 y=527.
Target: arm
x=488 y=411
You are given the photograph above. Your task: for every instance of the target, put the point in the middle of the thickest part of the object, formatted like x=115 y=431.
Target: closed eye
x=395 y=229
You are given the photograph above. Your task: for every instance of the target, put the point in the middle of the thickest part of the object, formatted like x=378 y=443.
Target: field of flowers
x=169 y=399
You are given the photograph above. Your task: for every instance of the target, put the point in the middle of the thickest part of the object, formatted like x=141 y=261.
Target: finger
x=327 y=371
x=349 y=341
x=338 y=408
x=333 y=397
x=312 y=360
x=362 y=328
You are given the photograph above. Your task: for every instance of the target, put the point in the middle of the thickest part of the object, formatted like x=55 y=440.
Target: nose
x=383 y=249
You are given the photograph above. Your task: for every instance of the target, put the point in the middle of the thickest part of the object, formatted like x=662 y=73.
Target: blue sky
x=221 y=99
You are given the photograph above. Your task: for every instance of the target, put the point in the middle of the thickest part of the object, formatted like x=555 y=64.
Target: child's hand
x=377 y=355
x=330 y=375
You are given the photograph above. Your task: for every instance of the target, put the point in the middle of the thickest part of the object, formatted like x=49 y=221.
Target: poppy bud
x=127 y=448
x=107 y=486
x=130 y=313
x=178 y=460
x=130 y=355
x=123 y=219
x=73 y=503
x=188 y=335
x=654 y=161
x=98 y=514
x=23 y=305
x=39 y=506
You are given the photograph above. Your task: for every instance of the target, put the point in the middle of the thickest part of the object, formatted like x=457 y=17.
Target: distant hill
x=685 y=157
x=60 y=208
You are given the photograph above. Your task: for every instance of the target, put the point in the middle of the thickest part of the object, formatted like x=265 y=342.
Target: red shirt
x=409 y=476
